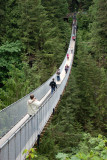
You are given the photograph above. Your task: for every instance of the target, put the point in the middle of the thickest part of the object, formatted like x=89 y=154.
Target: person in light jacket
x=58 y=74
x=33 y=105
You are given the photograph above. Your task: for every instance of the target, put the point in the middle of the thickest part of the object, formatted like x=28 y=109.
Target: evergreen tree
x=84 y=4
x=20 y=82
x=12 y=18
x=14 y=87
x=99 y=31
x=2 y=20
x=92 y=82
x=56 y=11
x=10 y=53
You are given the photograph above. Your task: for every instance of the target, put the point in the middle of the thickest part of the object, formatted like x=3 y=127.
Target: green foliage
x=10 y=48
x=84 y=4
x=93 y=148
x=98 y=31
x=62 y=156
x=2 y=105
x=9 y=54
x=83 y=21
x=57 y=9
x=92 y=84
x=14 y=86
x=12 y=19
x=48 y=148
x=76 y=5
x=2 y=19
x=19 y=83
x=31 y=154
x=90 y=77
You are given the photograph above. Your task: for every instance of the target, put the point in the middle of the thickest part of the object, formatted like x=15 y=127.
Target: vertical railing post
x=53 y=111
x=37 y=124
x=20 y=142
x=15 y=145
x=8 y=149
x=38 y=140
x=0 y=154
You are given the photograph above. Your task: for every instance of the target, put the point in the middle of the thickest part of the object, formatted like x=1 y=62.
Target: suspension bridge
x=18 y=131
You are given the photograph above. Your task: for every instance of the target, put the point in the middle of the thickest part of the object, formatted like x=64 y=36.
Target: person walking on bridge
x=33 y=105
x=72 y=50
x=66 y=68
x=67 y=56
x=53 y=85
x=58 y=74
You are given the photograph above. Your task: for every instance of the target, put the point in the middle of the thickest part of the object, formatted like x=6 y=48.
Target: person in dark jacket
x=53 y=85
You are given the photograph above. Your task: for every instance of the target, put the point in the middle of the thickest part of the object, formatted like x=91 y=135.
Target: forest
x=33 y=42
